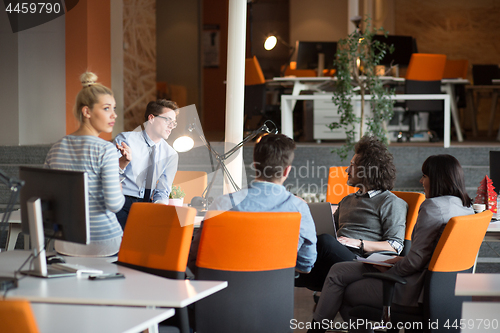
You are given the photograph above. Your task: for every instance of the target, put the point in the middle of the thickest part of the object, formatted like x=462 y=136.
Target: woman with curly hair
x=372 y=219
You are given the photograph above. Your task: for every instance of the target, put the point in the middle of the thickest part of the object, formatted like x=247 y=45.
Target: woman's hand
x=126 y=157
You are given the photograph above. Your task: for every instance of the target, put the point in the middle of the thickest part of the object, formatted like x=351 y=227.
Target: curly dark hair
x=375 y=163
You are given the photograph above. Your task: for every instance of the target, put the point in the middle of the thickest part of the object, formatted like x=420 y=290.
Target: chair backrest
x=337 y=187
x=483 y=74
x=455 y=252
x=253 y=72
x=157 y=239
x=414 y=200
x=459 y=244
x=426 y=67
x=456 y=68
x=256 y=253
x=16 y=316
x=193 y=183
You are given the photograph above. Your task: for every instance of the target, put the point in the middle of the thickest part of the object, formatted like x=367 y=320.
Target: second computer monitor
x=307 y=54
x=404 y=46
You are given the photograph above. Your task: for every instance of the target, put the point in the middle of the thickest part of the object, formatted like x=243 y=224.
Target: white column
x=352 y=10
x=117 y=61
x=235 y=88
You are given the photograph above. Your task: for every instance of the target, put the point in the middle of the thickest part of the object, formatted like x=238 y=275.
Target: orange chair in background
x=423 y=76
x=414 y=200
x=337 y=185
x=256 y=254
x=16 y=316
x=193 y=183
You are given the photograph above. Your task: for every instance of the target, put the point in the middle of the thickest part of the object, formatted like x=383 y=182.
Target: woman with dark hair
x=345 y=286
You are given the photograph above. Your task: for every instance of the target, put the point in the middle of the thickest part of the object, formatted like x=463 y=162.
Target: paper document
x=376 y=259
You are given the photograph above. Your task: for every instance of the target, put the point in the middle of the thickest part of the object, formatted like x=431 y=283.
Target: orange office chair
x=256 y=253
x=337 y=185
x=156 y=240
x=423 y=76
x=193 y=183
x=16 y=316
x=455 y=253
x=414 y=200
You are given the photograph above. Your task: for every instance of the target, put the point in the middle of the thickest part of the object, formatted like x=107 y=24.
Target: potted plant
x=176 y=196
x=357 y=56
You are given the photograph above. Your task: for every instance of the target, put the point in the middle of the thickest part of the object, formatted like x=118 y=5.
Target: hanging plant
x=357 y=57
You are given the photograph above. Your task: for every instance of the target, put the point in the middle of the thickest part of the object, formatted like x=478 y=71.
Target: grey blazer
x=433 y=215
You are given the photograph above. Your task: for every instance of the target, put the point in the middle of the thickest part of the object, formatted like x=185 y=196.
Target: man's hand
x=349 y=242
x=126 y=155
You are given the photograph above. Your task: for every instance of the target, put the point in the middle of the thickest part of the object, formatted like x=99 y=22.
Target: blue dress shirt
x=166 y=161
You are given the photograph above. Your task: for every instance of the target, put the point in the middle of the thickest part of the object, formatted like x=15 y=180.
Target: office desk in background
x=64 y=318
x=472 y=104
x=287 y=110
x=315 y=83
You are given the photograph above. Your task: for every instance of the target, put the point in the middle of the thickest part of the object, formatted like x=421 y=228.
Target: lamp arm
x=263 y=128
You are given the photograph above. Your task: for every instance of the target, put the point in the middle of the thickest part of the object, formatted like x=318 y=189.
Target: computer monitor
x=308 y=53
x=404 y=46
x=54 y=204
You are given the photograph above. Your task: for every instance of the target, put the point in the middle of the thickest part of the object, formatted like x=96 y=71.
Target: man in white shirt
x=148 y=163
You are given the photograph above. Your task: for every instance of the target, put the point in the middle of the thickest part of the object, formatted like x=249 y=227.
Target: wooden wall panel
x=139 y=42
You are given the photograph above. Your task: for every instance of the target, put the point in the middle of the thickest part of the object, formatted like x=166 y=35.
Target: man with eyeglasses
x=148 y=163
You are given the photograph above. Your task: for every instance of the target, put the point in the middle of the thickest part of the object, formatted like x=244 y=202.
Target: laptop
x=323 y=217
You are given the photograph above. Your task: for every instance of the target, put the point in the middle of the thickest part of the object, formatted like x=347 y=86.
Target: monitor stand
x=37 y=237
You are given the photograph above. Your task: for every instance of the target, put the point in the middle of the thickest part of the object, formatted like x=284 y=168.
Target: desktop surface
x=136 y=289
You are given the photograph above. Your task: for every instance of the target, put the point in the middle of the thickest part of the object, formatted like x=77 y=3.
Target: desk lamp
x=185 y=143
x=271 y=42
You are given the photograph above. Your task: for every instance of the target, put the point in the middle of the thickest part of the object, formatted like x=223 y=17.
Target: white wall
x=178 y=47
x=318 y=20
x=33 y=88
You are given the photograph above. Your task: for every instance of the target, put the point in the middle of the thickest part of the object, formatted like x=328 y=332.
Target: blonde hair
x=89 y=95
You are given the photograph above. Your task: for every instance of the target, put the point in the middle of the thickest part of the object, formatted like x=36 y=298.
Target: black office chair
x=423 y=76
x=483 y=74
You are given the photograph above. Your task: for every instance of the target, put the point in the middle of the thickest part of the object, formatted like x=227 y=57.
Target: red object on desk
x=486 y=194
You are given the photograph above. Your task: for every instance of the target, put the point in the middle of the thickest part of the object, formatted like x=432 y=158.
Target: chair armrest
x=393 y=279
x=388 y=282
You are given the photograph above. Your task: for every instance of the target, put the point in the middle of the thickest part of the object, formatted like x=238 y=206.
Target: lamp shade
x=270 y=42
x=183 y=144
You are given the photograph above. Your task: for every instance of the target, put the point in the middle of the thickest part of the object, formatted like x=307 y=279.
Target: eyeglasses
x=168 y=121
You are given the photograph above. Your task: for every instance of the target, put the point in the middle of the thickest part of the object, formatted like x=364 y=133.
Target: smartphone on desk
x=107 y=276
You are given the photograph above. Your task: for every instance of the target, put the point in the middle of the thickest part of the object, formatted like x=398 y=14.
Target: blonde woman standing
x=83 y=150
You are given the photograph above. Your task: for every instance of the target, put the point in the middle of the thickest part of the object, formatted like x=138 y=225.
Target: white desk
x=137 y=289
x=64 y=318
x=480 y=317
x=479 y=284
x=313 y=83
x=14 y=231
x=287 y=110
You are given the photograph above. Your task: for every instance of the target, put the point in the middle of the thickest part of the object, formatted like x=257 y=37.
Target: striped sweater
x=99 y=159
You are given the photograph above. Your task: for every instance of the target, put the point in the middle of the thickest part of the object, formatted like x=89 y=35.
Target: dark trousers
x=122 y=215
x=330 y=251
